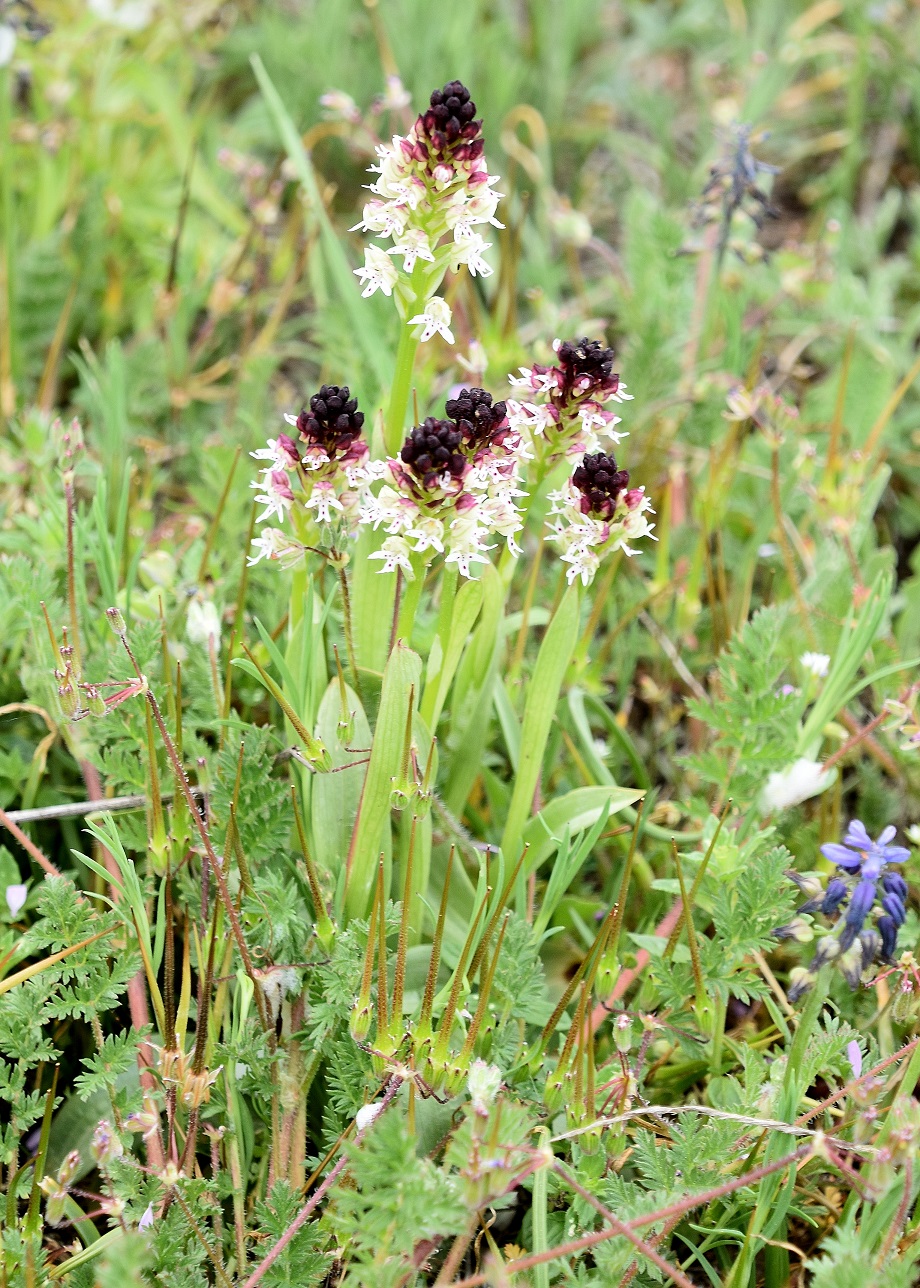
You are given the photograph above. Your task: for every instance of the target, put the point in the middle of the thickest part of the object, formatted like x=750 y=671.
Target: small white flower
x=583 y=563
x=274 y=492
x=395 y=554
x=366 y=1115
x=276 y=452
x=323 y=500
x=202 y=622
x=484 y=1082
x=435 y=320
x=816 y=663
x=428 y=534
x=385 y=217
x=146 y=1220
x=131 y=15
x=798 y=782
x=7 y=44
x=379 y=272
x=468 y=249
x=16 y=896
x=272 y=543
x=412 y=245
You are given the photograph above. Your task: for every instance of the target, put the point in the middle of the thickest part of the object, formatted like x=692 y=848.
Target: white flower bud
x=202 y=623
x=484 y=1083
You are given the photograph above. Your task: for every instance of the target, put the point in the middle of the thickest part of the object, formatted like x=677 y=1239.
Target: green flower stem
x=771 y=1205
x=449 y=577
x=395 y=422
x=349 y=636
x=412 y=593
x=539 y=710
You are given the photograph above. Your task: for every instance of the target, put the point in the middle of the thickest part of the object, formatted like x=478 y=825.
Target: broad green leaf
x=507 y=718
x=467 y=604
x=577 y=810
x=336 y=796
x=400 y=678
x=372 y=599
x=542 y=695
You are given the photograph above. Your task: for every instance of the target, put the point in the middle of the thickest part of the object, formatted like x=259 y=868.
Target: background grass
x=163 y=281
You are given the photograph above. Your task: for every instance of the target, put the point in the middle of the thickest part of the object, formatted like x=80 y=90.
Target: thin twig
x=30 y=847
x=674 y=657
x=80 y=809
x=637 y=1222
x=620 y=1227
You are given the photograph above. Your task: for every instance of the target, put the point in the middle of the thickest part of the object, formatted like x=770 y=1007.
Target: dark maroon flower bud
x=431 y=450
x=449 y=124
x=586 y=359
x=478 y=418
x=600 y=484
x=332 y=422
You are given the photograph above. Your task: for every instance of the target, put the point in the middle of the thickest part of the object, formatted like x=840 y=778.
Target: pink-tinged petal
x=854 y=1055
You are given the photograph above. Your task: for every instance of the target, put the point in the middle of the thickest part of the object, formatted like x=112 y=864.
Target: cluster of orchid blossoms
x=321 y=488
x=456 y=481
x=453 y=485
x=432 y=192
x=595 y=511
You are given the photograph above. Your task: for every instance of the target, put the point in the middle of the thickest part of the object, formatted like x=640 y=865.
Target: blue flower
x=863 y=886
x=860 y=856
x=860 y=852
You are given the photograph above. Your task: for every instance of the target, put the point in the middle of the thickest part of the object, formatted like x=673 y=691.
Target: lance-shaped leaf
x=466 y=606
x=578 y=810
x=336 y=796
x=542 y=695
x=367 y=336
x=400 y=683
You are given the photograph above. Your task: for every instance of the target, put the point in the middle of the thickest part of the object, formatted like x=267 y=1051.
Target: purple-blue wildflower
x=860 y=854
x=863 y=866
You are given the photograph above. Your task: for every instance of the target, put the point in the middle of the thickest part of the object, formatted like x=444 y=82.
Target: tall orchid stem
x=71 y=577
x=349 y=635
x=395 y=422
x=412 y=594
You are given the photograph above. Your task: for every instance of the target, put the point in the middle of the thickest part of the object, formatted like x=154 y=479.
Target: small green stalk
x=447 y=1019
x=325 y=930
x=539 y=1210
x=395 y=422
x=399 y=977
x=360 y=1023
x=412 y=594
x=423 y=1027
